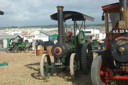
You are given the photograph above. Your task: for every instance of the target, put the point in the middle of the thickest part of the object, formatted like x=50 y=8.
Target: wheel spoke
x=44 y=66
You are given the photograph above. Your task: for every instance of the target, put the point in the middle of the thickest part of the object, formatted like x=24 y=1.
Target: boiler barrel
x=62 y=50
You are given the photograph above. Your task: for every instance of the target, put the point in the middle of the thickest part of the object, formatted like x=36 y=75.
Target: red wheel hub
x=105 y=73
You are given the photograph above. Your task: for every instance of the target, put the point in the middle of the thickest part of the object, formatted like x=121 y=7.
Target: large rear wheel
x=86 y=58
x=44 y=66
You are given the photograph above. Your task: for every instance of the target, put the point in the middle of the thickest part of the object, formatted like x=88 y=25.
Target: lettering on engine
x=58 y=64
x=120 y=31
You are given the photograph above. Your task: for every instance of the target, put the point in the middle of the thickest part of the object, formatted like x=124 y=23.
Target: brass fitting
x=121 y=49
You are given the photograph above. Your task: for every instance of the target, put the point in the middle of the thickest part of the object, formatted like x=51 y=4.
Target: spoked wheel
x=8 y=50
x=15 y=49
x=26 y=49
x=44 y=66
x=100 y=71
x=74 y=66
x=86 y=58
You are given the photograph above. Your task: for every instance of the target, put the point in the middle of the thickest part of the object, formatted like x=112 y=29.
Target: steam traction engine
x=69 y=52
x=111 y=65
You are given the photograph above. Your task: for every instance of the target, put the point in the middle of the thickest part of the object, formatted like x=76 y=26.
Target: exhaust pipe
x=61 y=29
x=123 y=6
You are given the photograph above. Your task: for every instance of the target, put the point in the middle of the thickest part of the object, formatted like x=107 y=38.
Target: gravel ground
x=23 y=69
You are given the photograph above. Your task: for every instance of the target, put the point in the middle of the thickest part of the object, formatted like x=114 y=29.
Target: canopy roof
x=73 y=15
x=111 y=8
x=1 y=13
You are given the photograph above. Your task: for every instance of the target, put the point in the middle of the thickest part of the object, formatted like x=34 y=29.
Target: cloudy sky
x=37 y=12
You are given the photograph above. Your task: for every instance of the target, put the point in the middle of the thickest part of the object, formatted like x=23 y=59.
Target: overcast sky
x=37 y=12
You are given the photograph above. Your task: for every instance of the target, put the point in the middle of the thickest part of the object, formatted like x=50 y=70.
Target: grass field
x=23 y=69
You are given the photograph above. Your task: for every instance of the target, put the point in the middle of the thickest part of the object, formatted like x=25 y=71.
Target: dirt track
x=23 y=69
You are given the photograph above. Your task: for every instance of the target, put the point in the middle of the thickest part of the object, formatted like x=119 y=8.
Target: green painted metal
x=70 y=46
x=96 y=43
x=53 y=66
x=75 y=44
x=8 y=42
x=3 y=64
x=52 y=37
x=46 y=65
x=63 y=60
x=81 y=37
x=77 y=66
x=72 y=39
x=21 y=45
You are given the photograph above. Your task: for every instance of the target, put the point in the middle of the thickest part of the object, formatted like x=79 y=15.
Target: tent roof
x=7 y=36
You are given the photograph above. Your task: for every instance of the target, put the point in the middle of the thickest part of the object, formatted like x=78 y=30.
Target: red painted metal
x=60 y=50
x=107 y=79
x=102 y=73
x=127 y=68
x=118 y=77
x=122 y=38
x=120 y=70
x=116 y=28
x=108 y=41
x=110 y=6
x=105 y=73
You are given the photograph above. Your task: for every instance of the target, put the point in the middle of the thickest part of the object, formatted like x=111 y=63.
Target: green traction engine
x=69 y=52
x=18 y=46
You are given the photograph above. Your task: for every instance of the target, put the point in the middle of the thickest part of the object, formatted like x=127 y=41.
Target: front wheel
x=100 y=71
x=74 y=65
x=26 y=49
x=15 y=49
x=44 y=66
x=8 y=50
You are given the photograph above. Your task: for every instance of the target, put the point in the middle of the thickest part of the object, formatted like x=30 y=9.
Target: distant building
x=43 y=36
x=94 y=33
x=29 y=37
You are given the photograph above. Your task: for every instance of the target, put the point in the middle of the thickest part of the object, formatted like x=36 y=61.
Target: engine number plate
x=58 y=63
x=120 y=31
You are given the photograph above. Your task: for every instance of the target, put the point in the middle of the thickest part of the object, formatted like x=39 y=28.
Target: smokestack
x=123 y=3
x=61 y=30
x=123 y=6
